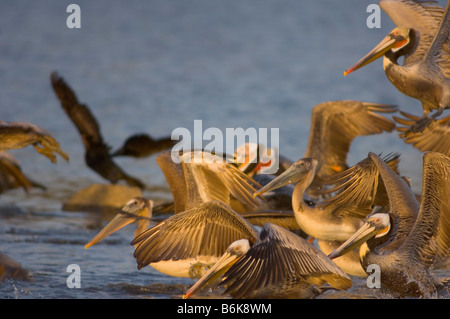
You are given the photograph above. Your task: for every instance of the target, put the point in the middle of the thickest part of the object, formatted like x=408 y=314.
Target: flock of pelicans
x=314 y=223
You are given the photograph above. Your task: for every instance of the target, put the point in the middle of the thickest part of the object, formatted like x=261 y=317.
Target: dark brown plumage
x=97 y=155
x=143 y=145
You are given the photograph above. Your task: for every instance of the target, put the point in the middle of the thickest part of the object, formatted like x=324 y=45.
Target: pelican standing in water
x=338 y=217
x=335 y=219
x=183 y=245
x=274 y=264
x=210 y=189
x=189 y=242
x=136 y=209
x=406 y=242
x=422 y=36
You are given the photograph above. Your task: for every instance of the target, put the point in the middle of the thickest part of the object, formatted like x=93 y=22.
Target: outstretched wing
x=210 y=177
x=97 y=154
x=360 y=185
x=207 y=230
x=334 y=125
x=279 y=259
x=79 y=113
x=433 y=138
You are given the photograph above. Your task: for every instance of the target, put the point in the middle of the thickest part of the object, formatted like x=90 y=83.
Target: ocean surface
x=154 y=66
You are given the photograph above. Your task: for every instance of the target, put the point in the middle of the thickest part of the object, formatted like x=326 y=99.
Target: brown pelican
x=351 y=119
x=211 y=190
x=213 y=179
x=338 y=217
x=422 y=37
x=248 y=159
x=436 y=137
x=143 y=145
x=97 y=155
x=210 y=177
x=208 y=190
x=275 y=264
x=334 y=125
x=15 y=135
x=136 y=209
x=405 y=242
x=11 y=175
x=188 y=243
x=183 y=245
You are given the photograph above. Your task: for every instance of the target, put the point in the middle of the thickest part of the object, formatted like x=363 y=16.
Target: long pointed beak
x=385 y=45
x=216 y=271
x=291 y=175
x=363 y=234
x=118 y=222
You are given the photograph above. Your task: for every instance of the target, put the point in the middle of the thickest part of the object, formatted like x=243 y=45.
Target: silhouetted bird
x=143 y=145
x=97 y=154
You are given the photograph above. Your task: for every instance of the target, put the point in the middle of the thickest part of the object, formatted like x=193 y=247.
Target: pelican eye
x=133 y=203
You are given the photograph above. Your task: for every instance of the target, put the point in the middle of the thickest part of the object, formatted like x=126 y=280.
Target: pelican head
x=395 y=40
x=233 y=253
x=376 y=225
x=296 y=172
x=246 y=157
x=136 y=208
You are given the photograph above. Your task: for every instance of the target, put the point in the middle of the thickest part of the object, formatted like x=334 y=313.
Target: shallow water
x=152 y=67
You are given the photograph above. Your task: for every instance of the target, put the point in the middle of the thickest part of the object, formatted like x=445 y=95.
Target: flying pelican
x=338 y=217
x=15 y=135
x=275 y=264
x=97 y=155
x=436 y=137
x=422 y=37
x=405 y=242
x=348 y=117
x=143 y=145
x=334 y=126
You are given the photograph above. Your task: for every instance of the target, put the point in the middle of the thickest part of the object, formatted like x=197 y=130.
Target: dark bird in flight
x=97 y=155
x=143 y=145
